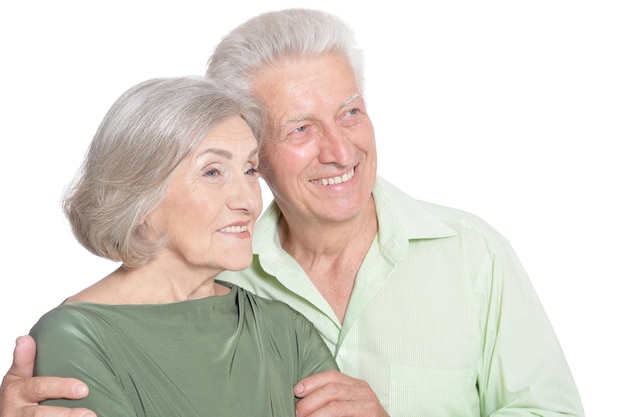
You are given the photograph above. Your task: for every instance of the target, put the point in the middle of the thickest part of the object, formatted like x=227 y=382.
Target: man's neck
x=331 y=253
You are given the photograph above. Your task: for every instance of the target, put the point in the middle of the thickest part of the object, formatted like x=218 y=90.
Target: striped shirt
x=442 y=320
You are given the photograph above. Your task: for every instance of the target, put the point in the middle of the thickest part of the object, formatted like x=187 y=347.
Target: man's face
x=320 y=158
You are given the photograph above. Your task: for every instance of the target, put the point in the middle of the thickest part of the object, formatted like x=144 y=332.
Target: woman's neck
x=157 y=282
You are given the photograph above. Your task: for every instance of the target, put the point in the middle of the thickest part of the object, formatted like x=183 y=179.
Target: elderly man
x=426 y=308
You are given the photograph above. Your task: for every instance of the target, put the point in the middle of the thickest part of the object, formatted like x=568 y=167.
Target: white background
x=515 y=111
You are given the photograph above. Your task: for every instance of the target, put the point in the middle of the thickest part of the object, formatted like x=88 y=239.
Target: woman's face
x=212 y=203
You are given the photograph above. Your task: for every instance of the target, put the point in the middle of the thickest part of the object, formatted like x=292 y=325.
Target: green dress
x=232 y=355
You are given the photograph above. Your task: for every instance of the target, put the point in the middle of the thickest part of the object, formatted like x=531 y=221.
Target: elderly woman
x=169 y=188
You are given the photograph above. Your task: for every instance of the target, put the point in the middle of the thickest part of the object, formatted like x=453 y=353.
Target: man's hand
x=20 y=392
x=333 y=394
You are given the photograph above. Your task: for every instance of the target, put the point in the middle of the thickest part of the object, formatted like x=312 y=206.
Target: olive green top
x=232 y=355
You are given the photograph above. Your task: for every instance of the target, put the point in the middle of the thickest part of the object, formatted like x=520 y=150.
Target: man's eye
x=300 y=129
x=353 y=111
x=212 y=173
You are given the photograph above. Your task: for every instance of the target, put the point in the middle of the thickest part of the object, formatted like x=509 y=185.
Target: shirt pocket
x=433 y=392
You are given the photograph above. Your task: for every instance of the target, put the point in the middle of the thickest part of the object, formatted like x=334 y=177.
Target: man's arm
x=523 y=370
x=20 y=392
x=335 y=394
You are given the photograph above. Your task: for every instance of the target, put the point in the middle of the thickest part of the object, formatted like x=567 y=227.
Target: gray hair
x=130 y=161
x=273 y=36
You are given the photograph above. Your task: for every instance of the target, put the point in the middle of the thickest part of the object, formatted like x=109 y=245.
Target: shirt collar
x=412 y=215
x=399 y=216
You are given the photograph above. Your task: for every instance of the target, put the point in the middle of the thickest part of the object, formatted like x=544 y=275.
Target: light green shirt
x=442 y=321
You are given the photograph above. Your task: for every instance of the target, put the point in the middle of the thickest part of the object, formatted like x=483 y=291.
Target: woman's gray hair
x=272 y=36
x=130 y=161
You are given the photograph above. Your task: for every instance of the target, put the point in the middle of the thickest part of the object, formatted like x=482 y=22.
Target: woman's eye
x=252 y=171
x=212 y=173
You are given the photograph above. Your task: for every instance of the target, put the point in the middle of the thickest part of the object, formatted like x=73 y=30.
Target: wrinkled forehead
x=304 y=82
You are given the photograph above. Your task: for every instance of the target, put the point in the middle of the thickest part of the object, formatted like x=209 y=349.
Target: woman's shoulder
x=64 y=322
x=271 y=308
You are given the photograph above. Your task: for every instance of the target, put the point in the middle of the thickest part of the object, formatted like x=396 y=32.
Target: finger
x=326 y=407
x=317 y=402
x=314 y=382
x=20 y=397
x=329 y=399
x=46 y=387
x=20 y=391
x=347 y=397
x=51 y=411
x=23 y=357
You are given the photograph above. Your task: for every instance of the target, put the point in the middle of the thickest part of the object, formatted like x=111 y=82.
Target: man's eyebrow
x=350 y=100
x=304 y=117
x=298 y=118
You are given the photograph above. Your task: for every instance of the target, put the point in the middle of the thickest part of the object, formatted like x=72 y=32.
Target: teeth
x=335 y=180
x=234 y=229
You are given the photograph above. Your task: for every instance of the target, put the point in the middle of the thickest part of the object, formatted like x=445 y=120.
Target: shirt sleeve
x=523 y=370
x=315 y=356
x=67 y=346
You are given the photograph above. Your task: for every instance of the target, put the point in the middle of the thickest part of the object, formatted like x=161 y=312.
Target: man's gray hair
x=273 y=36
